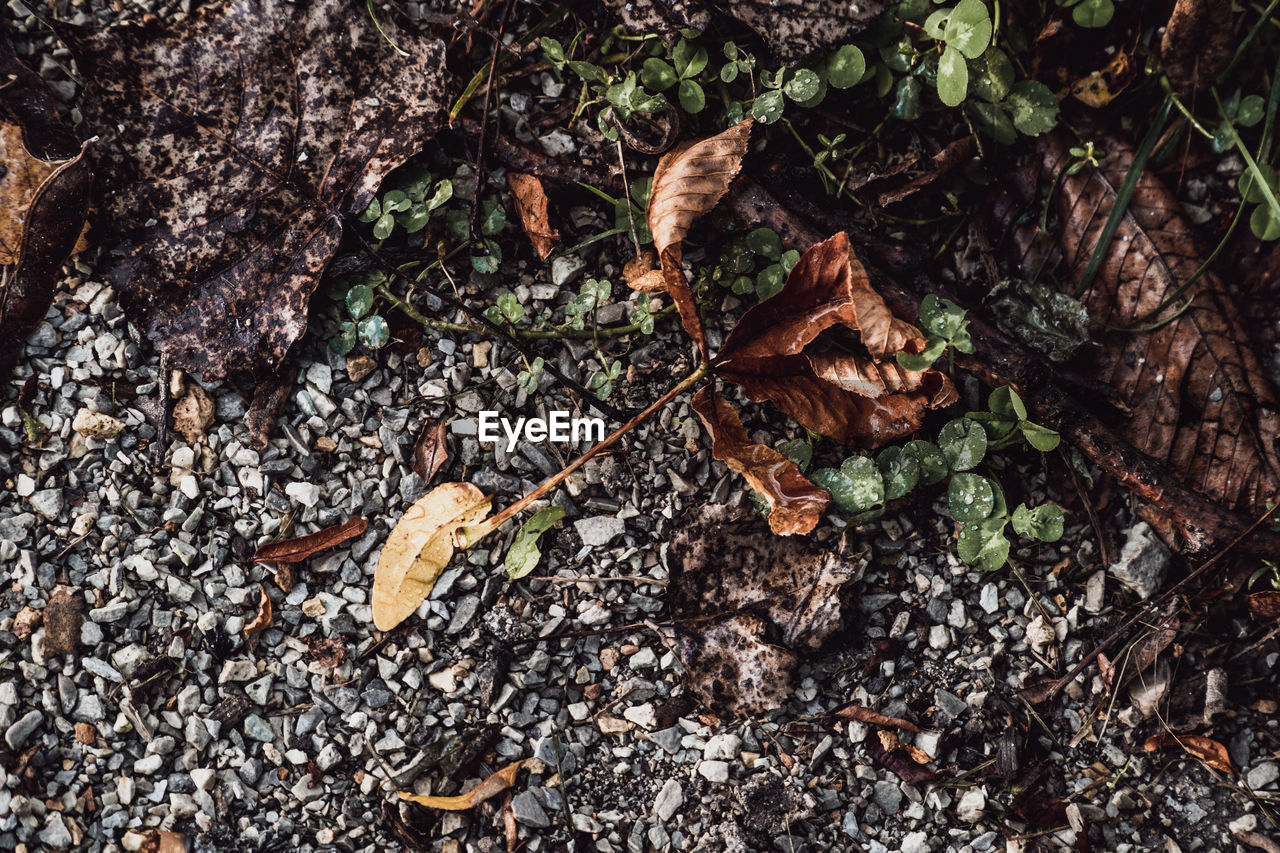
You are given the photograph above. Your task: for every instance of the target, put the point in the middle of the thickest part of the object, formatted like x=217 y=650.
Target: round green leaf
x=359 y=301
x=524 y=554
x=1043 y=522
x=924 y=359
x=983 y=544
x=1032 y=107
x=932 y=464
x=798 y=451
x=1005 y=401
x=991 y=75
x=1251 y=111
x=657 y=75
x=765 y=242
x=1039 y=437
x=346 y=338
x=692 y=99
x=768 y=107
x=969 y=498
x=729 y=72
x=846 y=67
x=802 y=85
x=935 y=26
x=1093 y=13
x=769 y=282
x=963 y=442
x=689 y=59
x=374 y=332
x=868 y=485
x=383 y=227
x=1264 y=224
x=941 y=317
x=953 y=77
x=997 y=426
x=899 y=470
x=969 y=28
x=1251 y=190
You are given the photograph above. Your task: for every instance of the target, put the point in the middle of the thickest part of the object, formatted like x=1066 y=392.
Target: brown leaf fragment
x=1197 y=43
x=796 y=505
x=897 y=760
x=262 y=621
x=861 y=397
x=490 y=787
x=866 y=715
x=690 y=180
x=1193 y=391
x=232 y=144
x=641 y=273
x=329 y=652
x=509 y=827
x=431 y=450
x=1256 y=839
x=268 y=402
x=62 y=620
x=531 y=203
x=955 y=154
x=746 y=603
x=193 y=414
x=44 y=198
x=1264 y=604
x=300 y=548
x=1207 y=750
x=686 y=305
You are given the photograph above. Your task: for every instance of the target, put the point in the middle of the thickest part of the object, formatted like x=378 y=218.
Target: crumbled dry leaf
x=193 y=414
x=690 y=180
x=62 y=620
x=745 y=603
x=531 y=203
x=886 y=751
x=641 y=272
x=359 y=366
x=796 y=505
x=419 y=547
x=866 y=715
x=1101 y=87
x=26 y=622
x=431 y=449
x=170 y=842
x=1207 y=750
x=262 y=621
x=1264 y=604
x=299 y=548
x=490 y=787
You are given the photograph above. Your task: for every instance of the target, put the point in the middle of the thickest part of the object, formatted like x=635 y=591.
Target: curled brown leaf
x=492 y=786
x=531 y=204
x=796 y=505
x=262 y=621
x=431 y=450
x=690 y=180
x=1207 y=750
x=687 y=306
x=866 y=715
x=299 y=548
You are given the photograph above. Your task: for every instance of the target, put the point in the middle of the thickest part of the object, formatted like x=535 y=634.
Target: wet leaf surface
x=300 y=548
x=44 y=188
x=1194 y=393
x=690 y=180
x=747 y=603
x=231 y=146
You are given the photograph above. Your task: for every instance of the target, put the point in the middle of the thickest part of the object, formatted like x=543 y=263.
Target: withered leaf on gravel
x=261 y=621
x=858 y=394
x=531 y=204
x=490 y=787
x=796 y=505
x=419 y=547
x=299 y=548
x=431 y=450
x=894 y=757
x=231 y=146
x=44 y=190
x=866 y=715
x=63 y=618
x=746 y=603
x=1195 y=394
x=1208 y=750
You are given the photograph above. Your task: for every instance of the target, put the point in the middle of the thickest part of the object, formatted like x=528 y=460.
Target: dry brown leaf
x=63 y=618
x=27 y=622
x=299 y=548
x=1197 y=397
x=796 y=505
x=687 y=306
x=431 y=450
x=531 y=203
x=329 y=652
x=889 y=753
x=690 y=180
x=193 y=414
x=1207 y=750
x=850 y=397
x=1265 y=604
x=866 y=715
x=418 y=549
x=23 y=176
x=490 y=787
x=262 y=621
x=745 y=603
x=1197 y=43
x=641 y=273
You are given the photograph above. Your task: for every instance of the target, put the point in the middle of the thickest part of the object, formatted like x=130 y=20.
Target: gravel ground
x=164 y=715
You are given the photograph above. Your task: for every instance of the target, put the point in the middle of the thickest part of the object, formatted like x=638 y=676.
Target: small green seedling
x=946 y=326
x=524 y=553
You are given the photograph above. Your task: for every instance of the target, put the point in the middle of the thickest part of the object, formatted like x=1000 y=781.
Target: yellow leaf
x=418 y=549
x=495 y=784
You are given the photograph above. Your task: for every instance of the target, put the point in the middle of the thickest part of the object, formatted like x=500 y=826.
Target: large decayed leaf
x=796 y=505
x=44 y=196
x=418 y=549
x=1195 y=394
x=859 y=396
x=230 y=147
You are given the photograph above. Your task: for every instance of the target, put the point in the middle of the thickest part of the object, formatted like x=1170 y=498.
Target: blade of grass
x=478 y=79
x=1121 y=202
x=1248 y=40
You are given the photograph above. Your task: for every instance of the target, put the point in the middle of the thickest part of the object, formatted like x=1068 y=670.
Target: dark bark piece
x=746 y=602
x=55 y=211
x=1198 y=398
x=233 y=145
x=1197 y=44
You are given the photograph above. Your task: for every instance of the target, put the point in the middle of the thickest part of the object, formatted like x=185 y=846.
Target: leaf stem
x=468 y=536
